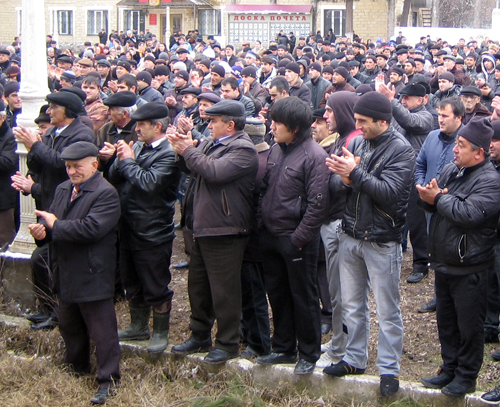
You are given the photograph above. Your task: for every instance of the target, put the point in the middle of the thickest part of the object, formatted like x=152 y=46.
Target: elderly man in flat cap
x=147 y=176
x=44 y=161
x=219 y=201
x=80 y=228
x=120 y=127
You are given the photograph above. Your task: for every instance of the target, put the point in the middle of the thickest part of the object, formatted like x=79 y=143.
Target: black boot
x=161 y=326
x=138 y=330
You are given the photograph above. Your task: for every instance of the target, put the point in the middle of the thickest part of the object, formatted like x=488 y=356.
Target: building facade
x=73 y=22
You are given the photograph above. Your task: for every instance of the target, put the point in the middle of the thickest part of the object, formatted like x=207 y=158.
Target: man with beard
x=96 y=111
x=339 y=116
x=317 y=85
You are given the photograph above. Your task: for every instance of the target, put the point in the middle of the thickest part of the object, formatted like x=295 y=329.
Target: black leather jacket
x=148 y=192
x=377 y=197
x=463 y=225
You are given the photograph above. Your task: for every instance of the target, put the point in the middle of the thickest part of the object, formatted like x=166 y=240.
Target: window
x=335 y=19
x=134 y=20
x=65 y=22
x=209 y=22
x=96 y=19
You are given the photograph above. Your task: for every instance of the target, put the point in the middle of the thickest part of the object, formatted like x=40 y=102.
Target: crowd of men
x=300 y=168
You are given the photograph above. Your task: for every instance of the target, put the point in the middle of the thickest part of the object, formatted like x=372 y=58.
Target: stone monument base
x=16 y=279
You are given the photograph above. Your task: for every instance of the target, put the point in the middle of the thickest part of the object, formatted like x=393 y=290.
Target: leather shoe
x=429 y=307
x=304 y=367
x=37 y=317
x=437 y=382
x=50 y=323
x=103 y=394
x=341 y=369
x=496 y=355
x=416 y=276
x=389 y=385
x=325 y=328
x=192 y=345
x=492 y=396
x=219 y=356
x=278 y=358
x=455 y=389
x=181 y=265
x=490 y=335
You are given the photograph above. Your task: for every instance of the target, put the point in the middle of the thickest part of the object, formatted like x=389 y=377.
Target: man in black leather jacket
x=375 y=173
x=464 y=205
x=146 y=177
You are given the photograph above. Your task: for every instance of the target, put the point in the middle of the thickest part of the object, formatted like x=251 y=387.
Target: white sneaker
x=326 y=346
x=326 y=360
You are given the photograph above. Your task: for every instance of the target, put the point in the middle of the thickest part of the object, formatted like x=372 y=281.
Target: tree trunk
x=406 y=12
x=349 y=18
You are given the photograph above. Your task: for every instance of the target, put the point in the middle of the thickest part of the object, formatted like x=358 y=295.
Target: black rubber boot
x=161 y=326
x=138 y=330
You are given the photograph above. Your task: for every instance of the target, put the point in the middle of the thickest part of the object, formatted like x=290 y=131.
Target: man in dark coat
x=9 y=163
x=463 y=201
x=80 y=228
x=44 y=161
x=219 y=198
x=147 y=176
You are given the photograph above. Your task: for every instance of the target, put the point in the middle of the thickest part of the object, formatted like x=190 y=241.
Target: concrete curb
x=356 y=389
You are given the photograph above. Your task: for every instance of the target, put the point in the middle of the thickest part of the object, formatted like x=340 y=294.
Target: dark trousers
x=255 y=310
x=493 y=312
x=146 y=274
x=324 y=292
x=290 y=276
x=42 y=279
x=461 y=309
x=96 y=320
x=214 y=286
x=417 y=225
x=8 y=226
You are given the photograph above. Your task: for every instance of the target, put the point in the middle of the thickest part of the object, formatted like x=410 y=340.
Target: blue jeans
x=362 y=264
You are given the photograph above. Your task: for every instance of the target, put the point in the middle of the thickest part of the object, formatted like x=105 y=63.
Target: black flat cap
x=149 y=58
x=402 y=51
x=382 y=56
x=413 y=89
x=226 y=108
x=76 y=91
x=182 y=51
x=450 y=57
x=43 y=117
x=397 y=70
x=210 y=96
x=124 y=64
x=79 y=150
x=4 y=51
x=190 y=90
x=471 y=90
x=145 y=77
x=442 y=52
x=121 y=99
x=150 y=111
x=318 y=113
x=104 y=62
x=66 y=99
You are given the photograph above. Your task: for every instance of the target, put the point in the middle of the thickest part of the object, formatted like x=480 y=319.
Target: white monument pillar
x=495 y=17
x=33 y=90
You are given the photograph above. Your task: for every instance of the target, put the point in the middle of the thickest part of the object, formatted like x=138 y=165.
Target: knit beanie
x=479 y=132
x=293 y=67
x=342 y=71
x=374 y=105
x=448 y=76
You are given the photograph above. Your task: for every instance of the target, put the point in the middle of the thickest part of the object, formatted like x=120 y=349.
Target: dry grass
x=31 y=375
